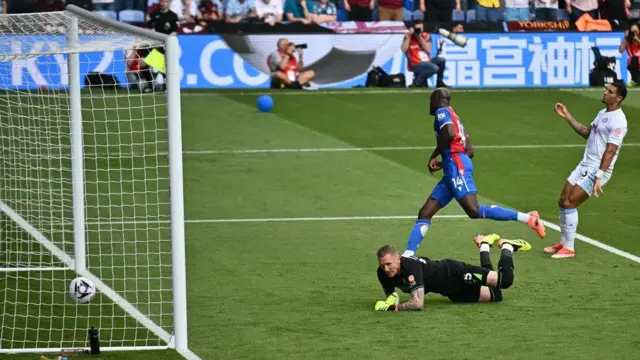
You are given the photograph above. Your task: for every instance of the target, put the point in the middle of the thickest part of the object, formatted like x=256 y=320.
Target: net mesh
x=126 y=184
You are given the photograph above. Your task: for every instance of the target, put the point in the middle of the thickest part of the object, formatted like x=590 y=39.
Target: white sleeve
x=617 y=131
x=176 y=7
x=259 y=8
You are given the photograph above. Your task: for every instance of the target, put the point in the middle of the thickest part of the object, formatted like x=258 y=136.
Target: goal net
x=90 y=146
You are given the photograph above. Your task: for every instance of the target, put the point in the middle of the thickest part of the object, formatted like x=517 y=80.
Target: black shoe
x=442 y=84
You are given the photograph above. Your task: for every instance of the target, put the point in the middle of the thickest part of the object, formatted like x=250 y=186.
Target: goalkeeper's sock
x=498 y=213
x=417 y=235
x=569 y=227
x=485 y=256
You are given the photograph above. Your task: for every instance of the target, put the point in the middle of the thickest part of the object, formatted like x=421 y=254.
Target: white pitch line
x=259 y=220
x=359 y=91
x=331 y=218
x=553 y=226
x=381 y=148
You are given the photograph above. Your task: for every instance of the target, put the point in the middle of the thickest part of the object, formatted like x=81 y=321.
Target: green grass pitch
x=306 y=289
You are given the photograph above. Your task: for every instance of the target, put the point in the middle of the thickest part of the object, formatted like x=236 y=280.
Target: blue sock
x=497 y=213
x=415 y=238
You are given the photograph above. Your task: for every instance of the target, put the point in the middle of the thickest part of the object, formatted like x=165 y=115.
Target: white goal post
x=91 y=184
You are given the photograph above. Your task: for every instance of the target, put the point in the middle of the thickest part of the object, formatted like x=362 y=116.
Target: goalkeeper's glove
x=390 y=304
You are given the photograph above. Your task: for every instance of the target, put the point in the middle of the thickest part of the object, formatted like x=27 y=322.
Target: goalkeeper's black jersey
x=420 y=272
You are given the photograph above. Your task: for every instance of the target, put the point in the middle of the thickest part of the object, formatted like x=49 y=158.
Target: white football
x=82 y=290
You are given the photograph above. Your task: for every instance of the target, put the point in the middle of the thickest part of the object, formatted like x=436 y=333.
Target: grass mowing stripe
x=383 y=148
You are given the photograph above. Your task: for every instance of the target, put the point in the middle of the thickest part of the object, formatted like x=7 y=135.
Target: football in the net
x=82 y=290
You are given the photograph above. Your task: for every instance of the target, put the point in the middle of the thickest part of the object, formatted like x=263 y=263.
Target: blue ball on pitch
x=265 y=103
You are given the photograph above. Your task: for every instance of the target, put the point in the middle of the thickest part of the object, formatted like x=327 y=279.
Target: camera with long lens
x=457 y=39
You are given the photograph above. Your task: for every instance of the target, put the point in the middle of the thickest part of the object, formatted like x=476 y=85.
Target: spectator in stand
x=269 y=11
x=439 y=10
x=577 y=8
x=19 y=6
x=187 y=10
x=359 y=10
x=631 y=44
x=104 y=5
x=163 y=20
x=417 y=47
x=517 y=10
x=50 y=5
x=324 y=11
x=615 y=10
x=85 y=4
x=390 y=10
x=546 y=10
x=297 y=11
x=240 y=10
x=211 y=10
x=488 y=10
x=286 y=70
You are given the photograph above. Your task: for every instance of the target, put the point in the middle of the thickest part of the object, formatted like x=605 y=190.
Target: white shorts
x=585 y=177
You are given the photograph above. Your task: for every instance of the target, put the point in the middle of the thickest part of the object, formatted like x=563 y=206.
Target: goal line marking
x=381 y=148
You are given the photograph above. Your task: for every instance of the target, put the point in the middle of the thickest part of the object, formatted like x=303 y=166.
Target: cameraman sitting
x=631 y=44
x=417 y=47
x=286 y=70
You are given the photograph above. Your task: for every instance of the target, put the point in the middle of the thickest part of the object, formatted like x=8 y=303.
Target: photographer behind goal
x=286 y=70
x=631 y=44
x=417 y=47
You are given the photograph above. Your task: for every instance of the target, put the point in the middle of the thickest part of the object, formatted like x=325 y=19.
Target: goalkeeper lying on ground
x=456 y=280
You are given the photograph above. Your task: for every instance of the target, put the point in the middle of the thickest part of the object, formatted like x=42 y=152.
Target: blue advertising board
x=208 y=61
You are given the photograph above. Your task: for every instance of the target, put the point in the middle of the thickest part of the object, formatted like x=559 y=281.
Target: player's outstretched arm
x=579 y=128
x=416 y=303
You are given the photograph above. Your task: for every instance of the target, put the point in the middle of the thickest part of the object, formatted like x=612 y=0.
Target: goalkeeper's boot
x=553 y=249
x=536 y=224
x=632 y=84
x=487 y=239
x=564 y=253
x=517 y=244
